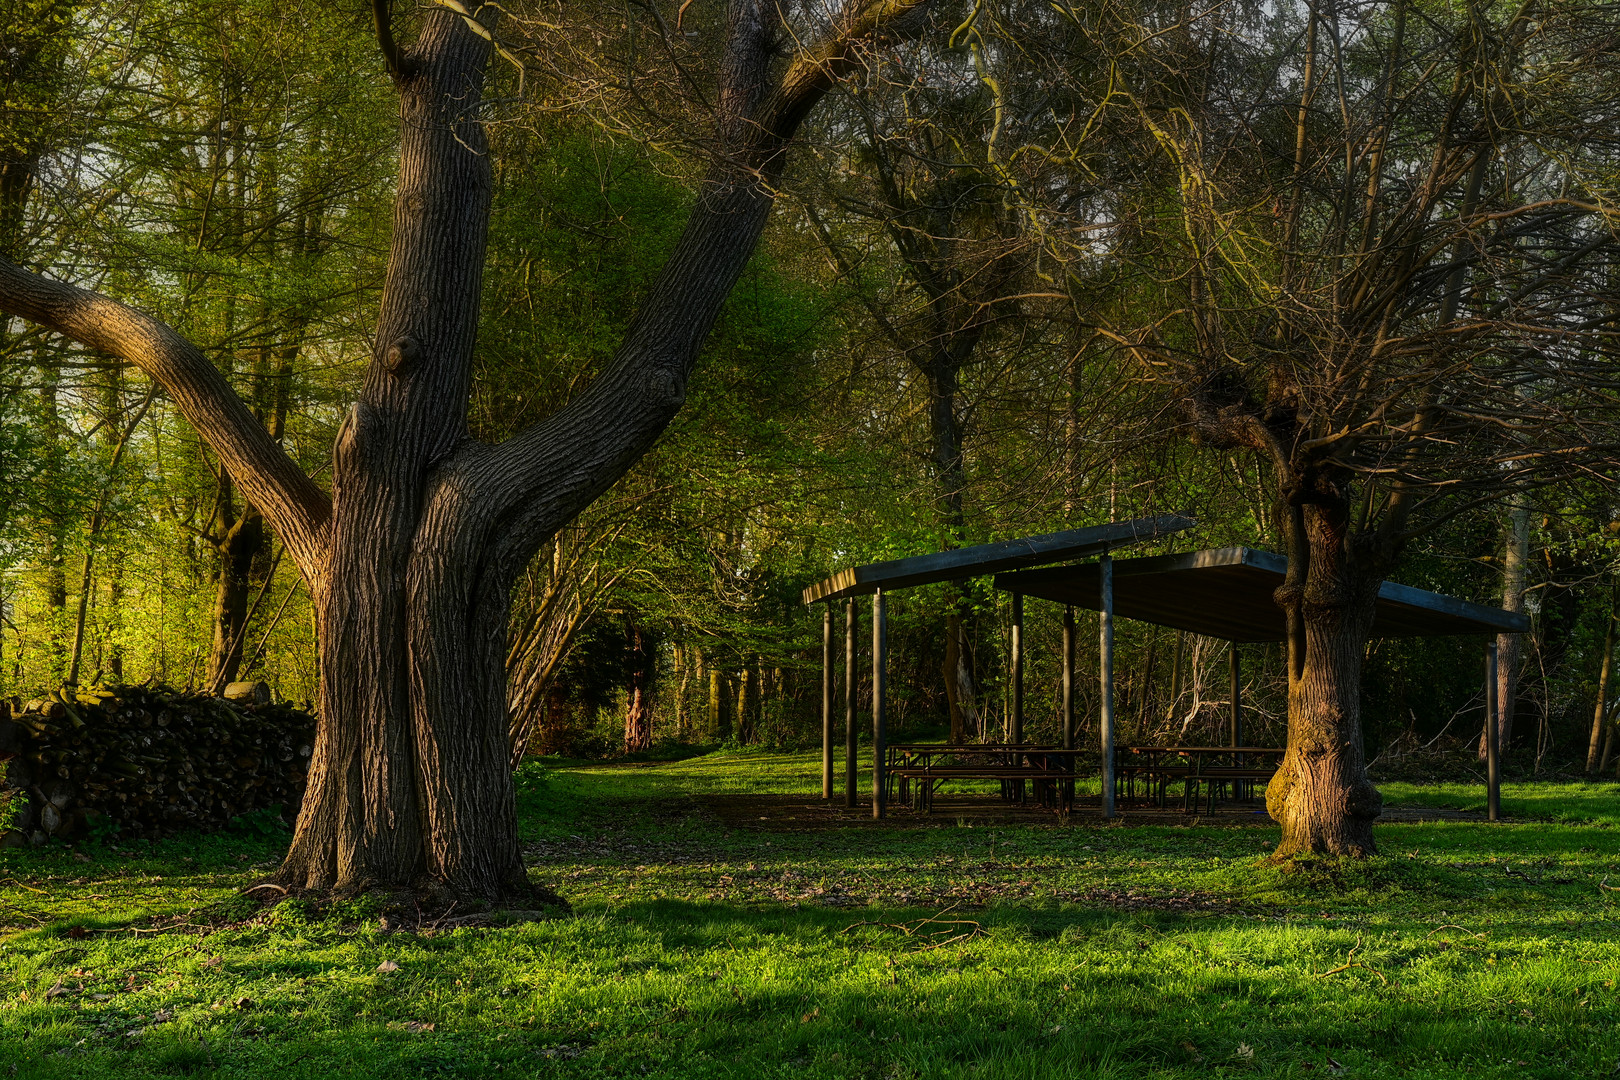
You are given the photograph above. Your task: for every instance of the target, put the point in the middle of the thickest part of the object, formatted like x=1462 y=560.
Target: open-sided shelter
x=956 y=564
x=1227 y=593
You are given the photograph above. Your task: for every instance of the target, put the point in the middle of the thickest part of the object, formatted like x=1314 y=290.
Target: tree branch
x=523 y=490
x=382 y=17
x=296 y=507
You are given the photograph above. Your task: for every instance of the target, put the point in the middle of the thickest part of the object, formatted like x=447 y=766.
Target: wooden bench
x=1207 y=780
x=1201 y=770
x=918 y=782
x=1218 y=776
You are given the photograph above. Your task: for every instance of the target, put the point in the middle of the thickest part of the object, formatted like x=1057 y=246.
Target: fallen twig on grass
x=1350 y=963
x=434 y=928
x=24 y=912
x=1452 y=926
x=944 y=926
x=265 y=885
x=1606 y=887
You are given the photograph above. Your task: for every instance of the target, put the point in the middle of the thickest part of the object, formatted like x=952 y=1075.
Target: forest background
x=911 y=362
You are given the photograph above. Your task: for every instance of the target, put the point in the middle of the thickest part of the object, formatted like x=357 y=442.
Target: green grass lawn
x=697 y=949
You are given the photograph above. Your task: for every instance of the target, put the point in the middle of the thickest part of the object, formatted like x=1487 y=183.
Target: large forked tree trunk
x=412 y=557
x=1321 y=794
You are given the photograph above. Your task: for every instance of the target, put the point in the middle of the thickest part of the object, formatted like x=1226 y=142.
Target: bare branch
x=295 y=506
x=536 y=481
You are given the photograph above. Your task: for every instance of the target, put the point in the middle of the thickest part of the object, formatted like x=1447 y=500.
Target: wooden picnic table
x=1209 y=767
x=918 y=769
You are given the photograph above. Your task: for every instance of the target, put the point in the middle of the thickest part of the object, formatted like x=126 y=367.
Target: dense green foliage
x=238 y=186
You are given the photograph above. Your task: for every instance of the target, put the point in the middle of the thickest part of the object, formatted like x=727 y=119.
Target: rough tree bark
x=411 y=558
x=1515 y=561
x=1321 y=794
x=638 y=704
x=1600 y=709
x=748 y=702
x=238 y=539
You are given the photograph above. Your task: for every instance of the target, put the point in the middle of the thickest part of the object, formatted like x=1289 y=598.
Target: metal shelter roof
x=1227 y=593
x=992 y=558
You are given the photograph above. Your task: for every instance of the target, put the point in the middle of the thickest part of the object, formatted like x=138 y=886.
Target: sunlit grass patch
x=697 y=950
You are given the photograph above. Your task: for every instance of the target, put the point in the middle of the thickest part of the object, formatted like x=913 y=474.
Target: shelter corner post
x=1235 y=721
x=880 y=634
x=1068 y=698
x=1015 y=715
x=851 y=763
x=1105 y=664
x=1493 y=749
x=827 y=702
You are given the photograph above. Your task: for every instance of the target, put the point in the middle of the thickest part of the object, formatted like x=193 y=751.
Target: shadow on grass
x=682 y=988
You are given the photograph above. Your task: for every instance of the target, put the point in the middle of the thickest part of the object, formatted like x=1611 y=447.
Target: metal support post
x=880 y=643
x=827 y=702
x=1015 y=721
x=1105 y=633
x=1493 y=750
x=1235 y=722
x=851 y=764
x=1068 y=699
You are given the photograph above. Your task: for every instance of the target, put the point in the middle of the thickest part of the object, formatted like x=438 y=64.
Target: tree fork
x=412 y=558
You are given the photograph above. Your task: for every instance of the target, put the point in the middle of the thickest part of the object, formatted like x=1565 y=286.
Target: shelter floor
x=796 y=813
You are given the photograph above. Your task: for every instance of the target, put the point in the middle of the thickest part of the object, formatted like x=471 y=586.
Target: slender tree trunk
x=945 y=431
x=638 y=702
x=1145 y=691
x=115 y=601
x=1073 y=437
x=1600 y=710
x=1321 y=794
x=780 y=695
x=53 y=523
x=719 y=726
x=1509 y=647
x=1177 y=662
x=1608 y=748
x=683 y=705
x=82 y=616
x=747 y=702
x=239 y=542
x=556 y=734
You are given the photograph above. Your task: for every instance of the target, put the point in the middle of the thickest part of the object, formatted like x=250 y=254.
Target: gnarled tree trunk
x=1321 y=794
x=638 y=702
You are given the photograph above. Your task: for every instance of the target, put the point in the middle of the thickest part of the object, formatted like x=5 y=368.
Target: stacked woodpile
x=146 y=761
